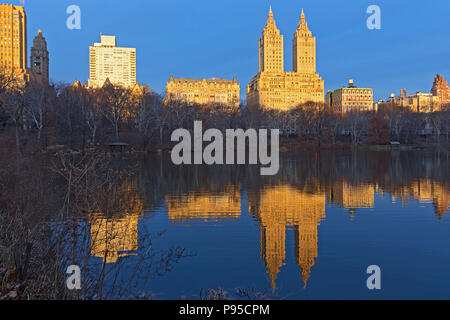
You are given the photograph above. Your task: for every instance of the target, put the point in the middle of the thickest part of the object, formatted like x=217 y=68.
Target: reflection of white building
x=112 y=239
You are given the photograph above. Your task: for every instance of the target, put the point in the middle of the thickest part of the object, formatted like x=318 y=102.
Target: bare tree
x=114 y=101
x=356 y=123
x=38 y=99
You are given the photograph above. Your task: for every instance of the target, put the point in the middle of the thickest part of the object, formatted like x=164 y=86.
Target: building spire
x=303 y=25
x=271 y=21
x=302 y=18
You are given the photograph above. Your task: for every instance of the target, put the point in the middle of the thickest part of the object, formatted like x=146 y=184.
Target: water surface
x=308 y=233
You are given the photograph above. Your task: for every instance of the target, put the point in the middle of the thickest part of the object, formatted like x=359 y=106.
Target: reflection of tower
x=273 y=249
x=279 y=207
x=306 y=242
x=205 y=207
x=312 y=211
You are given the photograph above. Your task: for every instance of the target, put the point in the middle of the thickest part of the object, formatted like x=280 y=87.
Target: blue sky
x=210 y=38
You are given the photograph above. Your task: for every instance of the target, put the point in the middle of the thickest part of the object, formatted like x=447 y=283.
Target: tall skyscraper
x=271 y=51
x=39 y=59
x=107 y=61
x=304 y=48
x=13 y=41
x=272 y=87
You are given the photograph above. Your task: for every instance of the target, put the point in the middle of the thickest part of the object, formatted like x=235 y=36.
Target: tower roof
x=270 y=24
x=303 y=25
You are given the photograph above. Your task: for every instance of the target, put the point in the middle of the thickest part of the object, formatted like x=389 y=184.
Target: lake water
x=310 y=232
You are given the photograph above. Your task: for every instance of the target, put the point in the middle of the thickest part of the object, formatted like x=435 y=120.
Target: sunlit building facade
x=351 y=99
x=13 y=42
x=203 y=91
x=442 y=90
x=109 y=62
x=272 y=87
x=418 y=102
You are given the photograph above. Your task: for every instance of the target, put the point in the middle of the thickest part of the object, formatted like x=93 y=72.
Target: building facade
x=203 y=91
x=272 y=87
x=39 y=59
x=441 y=89
x=351 y=98
x=13 y=42
x=418 y=102
x=107 y=61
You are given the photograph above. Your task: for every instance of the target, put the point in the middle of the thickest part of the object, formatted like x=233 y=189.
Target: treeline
x=41 y=116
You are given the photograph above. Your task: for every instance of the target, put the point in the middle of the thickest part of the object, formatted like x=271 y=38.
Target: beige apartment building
x=203 y=91
x=351 y=98
x=107 y=61
x=272 y=87
x=418 y=102
x=13 y=42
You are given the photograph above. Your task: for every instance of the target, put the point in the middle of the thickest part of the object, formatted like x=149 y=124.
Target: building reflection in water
x=277 y=208
x=425 y=191
x=295 y=199
x=116 y=236
x=113 y=238
x=352 y=196
x=207 y=206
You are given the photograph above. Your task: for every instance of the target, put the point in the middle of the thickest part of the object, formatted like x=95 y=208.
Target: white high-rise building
x=107 y=61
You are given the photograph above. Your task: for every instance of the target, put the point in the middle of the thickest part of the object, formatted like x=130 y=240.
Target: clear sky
x=211 y=38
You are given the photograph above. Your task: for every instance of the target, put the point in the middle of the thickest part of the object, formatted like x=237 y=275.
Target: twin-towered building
x=274 y=88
